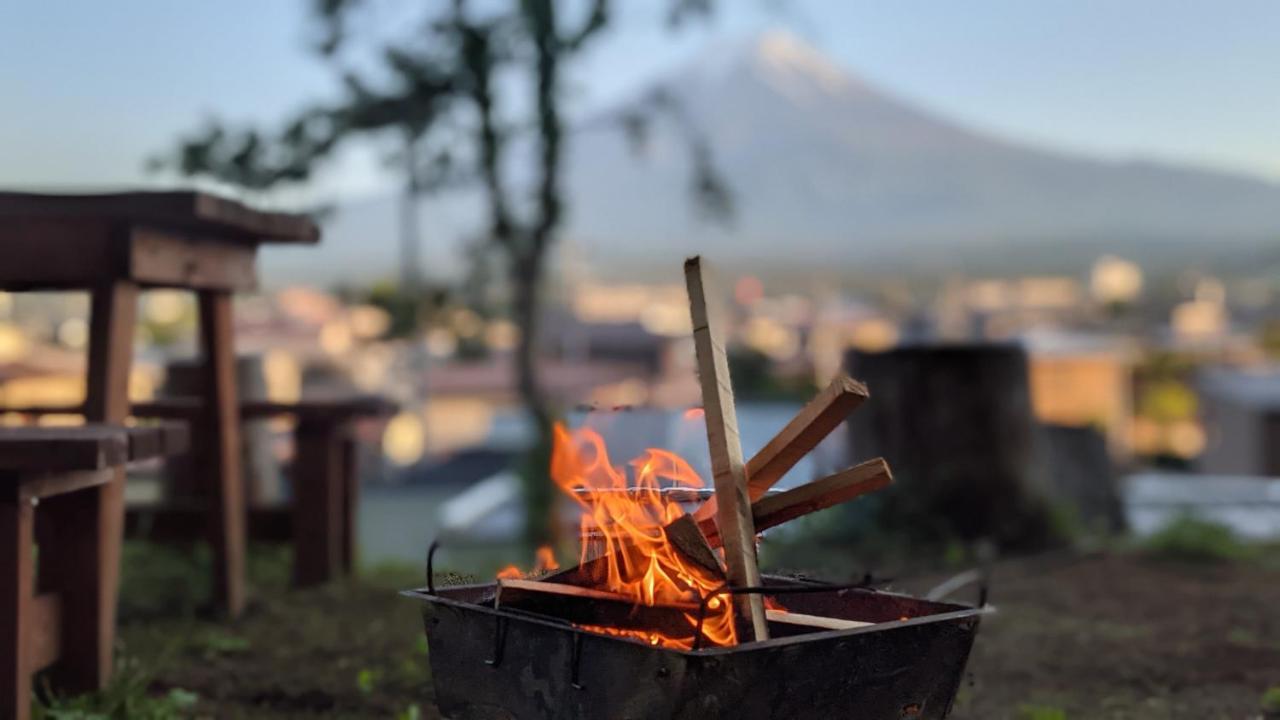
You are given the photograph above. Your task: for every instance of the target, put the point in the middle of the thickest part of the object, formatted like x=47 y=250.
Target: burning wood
x=645 y=565
x=733 y=507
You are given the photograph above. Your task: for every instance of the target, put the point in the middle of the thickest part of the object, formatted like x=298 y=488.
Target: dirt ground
x=1102 y=636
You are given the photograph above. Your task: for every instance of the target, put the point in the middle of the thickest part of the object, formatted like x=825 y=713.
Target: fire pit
x=667 y=615
x=511 y=662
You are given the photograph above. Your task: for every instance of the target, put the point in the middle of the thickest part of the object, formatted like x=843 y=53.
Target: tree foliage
x=441 y=87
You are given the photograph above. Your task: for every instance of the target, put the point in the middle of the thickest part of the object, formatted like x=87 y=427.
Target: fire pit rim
x=960 y=612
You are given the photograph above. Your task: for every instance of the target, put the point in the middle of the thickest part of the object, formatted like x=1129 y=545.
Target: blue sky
x=88 y=89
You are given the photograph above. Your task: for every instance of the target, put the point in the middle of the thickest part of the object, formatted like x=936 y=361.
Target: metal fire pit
x=506 y=664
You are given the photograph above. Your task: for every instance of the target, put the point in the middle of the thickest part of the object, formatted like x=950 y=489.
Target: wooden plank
x=17 y=578
x=801 y=435
x=817 y=622
x=45 y=641
x=62 y=449
x=773 y=510
x=733 y=515
x=157 y=440
x=507 y=585
x=318 y=490
x=221 y=450
x=59 y=253
x=40 y=485
x=160 y=258
x=684 y=534
x=181 y=209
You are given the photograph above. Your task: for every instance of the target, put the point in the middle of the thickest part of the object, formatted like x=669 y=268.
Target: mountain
x=829 y=171
x=827 y=167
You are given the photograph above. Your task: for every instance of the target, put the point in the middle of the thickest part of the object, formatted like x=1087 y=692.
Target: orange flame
x=544 y=562
x=623 y=513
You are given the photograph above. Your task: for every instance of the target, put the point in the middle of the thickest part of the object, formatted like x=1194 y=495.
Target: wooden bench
x=54 y=493
x=116 y=245
x=325 y=479
x=321 y=519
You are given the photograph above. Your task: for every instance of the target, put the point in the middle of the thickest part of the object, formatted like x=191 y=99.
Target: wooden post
x=94 y=566
x=350 y=500
x=733 y=513
x=221 y=450
x=318 y=490
x=17 y=558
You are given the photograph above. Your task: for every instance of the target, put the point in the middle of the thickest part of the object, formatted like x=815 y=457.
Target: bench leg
x=73 y=542
x=17 y=560
x=221 y=451
x=318 y=490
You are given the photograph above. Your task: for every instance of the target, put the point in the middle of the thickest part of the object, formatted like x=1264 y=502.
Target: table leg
x=318 y=489
x=221 y=450
x=17 y=559
x=90 y=616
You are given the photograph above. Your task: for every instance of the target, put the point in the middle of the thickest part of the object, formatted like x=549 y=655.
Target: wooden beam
x=733 y=515
x=162 y=258
x=814 y=621
x=814 y=422
x=774 y=510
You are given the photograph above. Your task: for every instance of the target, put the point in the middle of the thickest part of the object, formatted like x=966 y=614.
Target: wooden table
x=114 y=246
x=51 y=482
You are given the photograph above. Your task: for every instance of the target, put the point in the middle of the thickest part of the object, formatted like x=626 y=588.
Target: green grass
x=1192 y=540
x=127 y=697
x=1270 y=702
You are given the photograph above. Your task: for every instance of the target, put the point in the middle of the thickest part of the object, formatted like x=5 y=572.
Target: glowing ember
x=623 y=513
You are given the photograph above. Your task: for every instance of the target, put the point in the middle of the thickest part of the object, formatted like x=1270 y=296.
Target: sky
x=89 y=90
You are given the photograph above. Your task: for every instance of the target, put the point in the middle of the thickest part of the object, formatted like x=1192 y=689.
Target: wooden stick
x=774 y=510
x=684 y=534
x=728 y=471
x=814 y=621
x=514 y=586
x=814 y=422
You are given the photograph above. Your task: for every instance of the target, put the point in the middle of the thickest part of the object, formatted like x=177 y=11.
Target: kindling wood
x=814 y=422
x=774 y=510
x=733 y=514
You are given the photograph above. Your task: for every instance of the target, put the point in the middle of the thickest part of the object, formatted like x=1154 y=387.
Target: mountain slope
x=824 y=165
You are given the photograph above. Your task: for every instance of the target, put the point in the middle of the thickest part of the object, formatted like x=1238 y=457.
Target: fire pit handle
x=950 y=586
x=431 y=561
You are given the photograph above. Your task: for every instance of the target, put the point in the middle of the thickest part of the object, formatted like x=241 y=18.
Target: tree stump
x=955 y=424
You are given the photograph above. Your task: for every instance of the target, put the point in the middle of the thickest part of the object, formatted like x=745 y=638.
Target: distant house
x=1240 y=410
x=1083 y=380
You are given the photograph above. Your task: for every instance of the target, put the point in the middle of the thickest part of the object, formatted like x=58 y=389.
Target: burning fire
x=623 y=514
x=544 y=562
